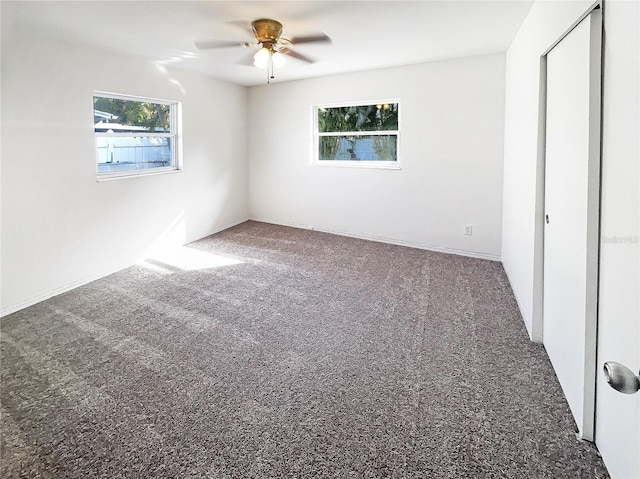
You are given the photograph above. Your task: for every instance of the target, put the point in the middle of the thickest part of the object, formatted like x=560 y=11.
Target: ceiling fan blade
x=242 y=24
x=207 y=45
x=291 y=53
x=320 y=37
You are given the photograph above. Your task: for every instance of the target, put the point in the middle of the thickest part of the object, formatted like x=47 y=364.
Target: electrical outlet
x=468 y=230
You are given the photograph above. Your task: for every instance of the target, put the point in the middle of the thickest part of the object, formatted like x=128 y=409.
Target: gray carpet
x=313 y=356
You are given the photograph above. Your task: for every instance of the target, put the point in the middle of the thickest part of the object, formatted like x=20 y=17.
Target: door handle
x=546 y=218
x=621 y=378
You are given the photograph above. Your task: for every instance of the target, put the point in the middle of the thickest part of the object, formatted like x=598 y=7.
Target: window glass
x=358 y=148
x=359 y=134
x=134 y=135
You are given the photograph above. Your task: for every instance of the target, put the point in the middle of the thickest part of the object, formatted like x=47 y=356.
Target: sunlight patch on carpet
x=183 y=258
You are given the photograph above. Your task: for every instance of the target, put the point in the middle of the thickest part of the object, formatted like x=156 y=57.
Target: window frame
x=174 y=135
x=379 y=164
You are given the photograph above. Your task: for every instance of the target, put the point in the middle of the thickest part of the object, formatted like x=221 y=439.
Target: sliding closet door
x=571 y=215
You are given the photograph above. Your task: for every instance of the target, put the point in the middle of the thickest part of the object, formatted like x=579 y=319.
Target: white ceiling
x=365 y=34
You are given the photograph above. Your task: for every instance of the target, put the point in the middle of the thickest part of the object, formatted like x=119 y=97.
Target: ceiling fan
x=274 y=47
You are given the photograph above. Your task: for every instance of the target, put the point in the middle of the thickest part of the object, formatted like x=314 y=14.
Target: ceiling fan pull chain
x=270 y=69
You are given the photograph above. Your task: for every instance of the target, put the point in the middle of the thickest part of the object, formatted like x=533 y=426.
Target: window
x=134 y=135
x=364 y=134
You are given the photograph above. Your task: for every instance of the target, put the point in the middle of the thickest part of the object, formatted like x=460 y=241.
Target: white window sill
x=358 y=164
x=128 y=175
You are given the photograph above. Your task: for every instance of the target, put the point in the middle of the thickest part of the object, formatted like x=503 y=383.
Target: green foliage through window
x=380 y=117
x=147 y=115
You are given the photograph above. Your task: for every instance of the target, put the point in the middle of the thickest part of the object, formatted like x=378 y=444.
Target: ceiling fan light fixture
x=261 y=58
x=265 y=54
x=278 y=59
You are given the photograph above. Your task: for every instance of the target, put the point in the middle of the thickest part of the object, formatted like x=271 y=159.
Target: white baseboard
x=55 y=292
x=525 y=317
x=68 y=287
x=218 y=229
x=381 y=239
x=81 y=282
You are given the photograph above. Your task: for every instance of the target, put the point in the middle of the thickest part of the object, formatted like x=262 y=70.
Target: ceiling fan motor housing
x=266 y=30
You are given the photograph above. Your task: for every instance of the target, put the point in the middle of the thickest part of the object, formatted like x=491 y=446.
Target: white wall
x=60 y=227
x=452 y=126
x=521 y=226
